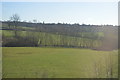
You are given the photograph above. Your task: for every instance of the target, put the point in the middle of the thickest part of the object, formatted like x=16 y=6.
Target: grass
x=52 y=39
x=34 y=62
x=7 y=33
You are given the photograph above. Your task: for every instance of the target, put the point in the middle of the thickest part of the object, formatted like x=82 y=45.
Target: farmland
x=47 y=39
x=46 y=50
x=35 y=62
x=59 y=40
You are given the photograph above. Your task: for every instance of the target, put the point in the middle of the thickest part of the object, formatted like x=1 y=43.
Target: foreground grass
x=32 y=62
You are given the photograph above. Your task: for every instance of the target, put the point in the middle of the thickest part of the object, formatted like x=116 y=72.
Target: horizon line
x=43 y=22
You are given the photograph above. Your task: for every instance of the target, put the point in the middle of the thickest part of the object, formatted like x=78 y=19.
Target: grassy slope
x=54 y=39
x=35 y=62
x=10 y=33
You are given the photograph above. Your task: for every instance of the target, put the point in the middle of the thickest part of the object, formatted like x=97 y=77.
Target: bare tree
x=15 y=20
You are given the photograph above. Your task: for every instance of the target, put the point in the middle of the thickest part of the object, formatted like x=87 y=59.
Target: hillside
x=101 y=37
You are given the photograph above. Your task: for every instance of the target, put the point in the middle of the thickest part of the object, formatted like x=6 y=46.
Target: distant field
x=34 y=62
x=49 y=39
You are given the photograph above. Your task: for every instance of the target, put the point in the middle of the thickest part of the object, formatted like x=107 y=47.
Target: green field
x=35 y=62
x=49 y=39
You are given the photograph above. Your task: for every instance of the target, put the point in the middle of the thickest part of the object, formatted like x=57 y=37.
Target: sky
x=63 y=12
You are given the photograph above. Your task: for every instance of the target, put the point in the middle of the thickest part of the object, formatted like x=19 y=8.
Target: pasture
x=35 y=62
x=48 y=39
